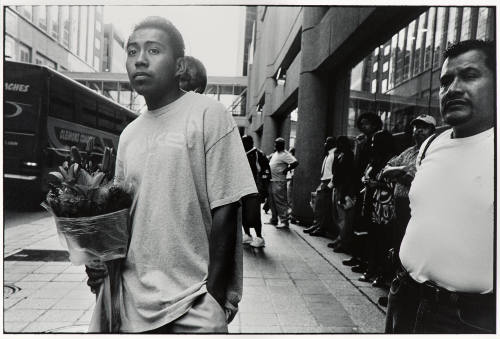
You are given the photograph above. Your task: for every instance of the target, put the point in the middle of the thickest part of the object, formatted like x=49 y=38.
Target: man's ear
x=180 y=66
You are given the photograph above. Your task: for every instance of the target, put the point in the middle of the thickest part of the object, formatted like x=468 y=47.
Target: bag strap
x=431 y=139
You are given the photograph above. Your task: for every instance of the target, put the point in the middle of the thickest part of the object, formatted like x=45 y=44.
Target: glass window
x=10 y=48
x=90 y=35
x=385 y=66
x=53 y=16
x=384 y=85
x=26 y=11
x=43 y=60
x=73 y=29
x=400 y=56
x=466 y=24
x=429 y=38
x=375 y=66
x=408 y=53
x=440 y=35
x=392 y=63
x=42 y=16
x=482 y=21
x=417 y=60
x=24 y=53
x=387 y=50
x=452 y=26
x=98 y=26
x=82 y=29
x=97 y=62
x=65 y=25
x=374 y=86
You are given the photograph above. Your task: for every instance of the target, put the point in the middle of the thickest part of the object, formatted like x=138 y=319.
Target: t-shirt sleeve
x=289 y=158
x=119 y=178
x=228 y=173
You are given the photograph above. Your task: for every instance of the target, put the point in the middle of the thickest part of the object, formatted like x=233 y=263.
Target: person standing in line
x=185 y=165
x=261 y=171
x=289 y=188
x=367 y=123
x=194 y=76
x=446 y=282
x=343 y=195
x=323 y=206
x=281 y=163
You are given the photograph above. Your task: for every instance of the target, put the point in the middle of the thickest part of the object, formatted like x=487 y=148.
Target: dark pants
x=402 y=217
x=324 y=213
x=250 y=214
x=420 y=308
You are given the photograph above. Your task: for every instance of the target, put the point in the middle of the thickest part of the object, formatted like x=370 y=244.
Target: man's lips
x=455 y=103
x=141 y=75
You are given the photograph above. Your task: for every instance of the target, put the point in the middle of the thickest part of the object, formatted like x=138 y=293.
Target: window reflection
x=400 y=79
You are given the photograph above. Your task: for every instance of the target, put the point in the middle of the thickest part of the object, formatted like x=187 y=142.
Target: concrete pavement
x=293 y=285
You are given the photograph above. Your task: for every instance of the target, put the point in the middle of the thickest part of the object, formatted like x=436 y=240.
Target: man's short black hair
x=174 y=36
x=461 y=47
x=373 y=118
x=280 y=144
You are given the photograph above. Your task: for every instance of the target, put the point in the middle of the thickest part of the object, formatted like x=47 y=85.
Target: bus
x=46 y=113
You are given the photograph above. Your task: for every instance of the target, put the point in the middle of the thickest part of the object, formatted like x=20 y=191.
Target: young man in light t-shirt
x=185 y=164
x=281 y=163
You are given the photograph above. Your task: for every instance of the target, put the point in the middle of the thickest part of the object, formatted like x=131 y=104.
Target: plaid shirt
x=407 y=157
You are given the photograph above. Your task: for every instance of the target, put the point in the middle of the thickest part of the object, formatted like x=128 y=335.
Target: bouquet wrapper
x=91 y=241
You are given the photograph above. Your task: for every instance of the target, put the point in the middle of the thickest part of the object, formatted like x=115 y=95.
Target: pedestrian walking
x=446 y=280
x=259 y=164
x=281 y=163
x=185 y=164
x=194 y=75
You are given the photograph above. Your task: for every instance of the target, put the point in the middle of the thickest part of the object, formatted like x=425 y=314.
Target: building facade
x=66 y=38
x=314 y=70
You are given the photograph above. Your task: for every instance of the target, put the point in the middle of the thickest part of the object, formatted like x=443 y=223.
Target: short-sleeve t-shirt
x=279 y=161
x=181 y=161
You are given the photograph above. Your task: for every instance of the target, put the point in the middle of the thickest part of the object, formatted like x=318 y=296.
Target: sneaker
x=283 y=226
x=258 y=242
x=247 y=239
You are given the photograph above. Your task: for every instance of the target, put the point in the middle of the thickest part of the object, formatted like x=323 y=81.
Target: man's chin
x=455 y=118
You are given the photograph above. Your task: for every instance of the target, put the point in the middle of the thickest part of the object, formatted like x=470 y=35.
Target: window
x=439 y=37
x=429 y=38
x=24 y=53
x=375 y=66
x=42 y=16
x=43 y=60
x=97 y=43
x=90 y=35
x=385 y=66
x=26 y=11
x=10 y=48
x=98 y=25
x=417 y=67
x=452 y=26
x=466 y=24
x=387 y=50
x=65 y=25
x=97 y=62
x=400 y=56
x=384 y=85
x=482 y=21
x=53 y=16
x=408 y=55
x=374 y=86
x=73 y=29
x=82 y=29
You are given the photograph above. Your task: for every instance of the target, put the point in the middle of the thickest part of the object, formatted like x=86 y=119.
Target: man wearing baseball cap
x=446 y=281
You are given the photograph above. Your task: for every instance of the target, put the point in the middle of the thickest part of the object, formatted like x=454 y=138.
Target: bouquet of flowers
x=92 y=219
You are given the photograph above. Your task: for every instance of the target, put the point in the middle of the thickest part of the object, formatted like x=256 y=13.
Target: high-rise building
x=66 y=38
x=114 y=55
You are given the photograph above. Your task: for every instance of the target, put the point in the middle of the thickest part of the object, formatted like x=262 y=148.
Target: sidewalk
x=293 y=285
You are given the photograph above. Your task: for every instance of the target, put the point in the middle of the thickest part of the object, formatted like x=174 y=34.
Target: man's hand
x=392 y=172
x=96 y=273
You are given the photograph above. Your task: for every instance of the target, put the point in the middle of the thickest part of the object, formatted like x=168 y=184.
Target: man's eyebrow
x=147 y=42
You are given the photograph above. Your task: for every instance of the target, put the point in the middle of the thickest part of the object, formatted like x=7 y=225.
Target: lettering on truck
x=12 y=86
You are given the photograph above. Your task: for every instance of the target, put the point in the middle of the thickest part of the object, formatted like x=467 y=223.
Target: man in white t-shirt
x=185 y=165
x=281 y=163
x=446 y=284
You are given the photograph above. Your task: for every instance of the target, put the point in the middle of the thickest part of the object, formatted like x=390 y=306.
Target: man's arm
x=291 y=166
x=221 y=248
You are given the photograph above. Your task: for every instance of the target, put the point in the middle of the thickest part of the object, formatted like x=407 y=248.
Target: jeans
x=278 y=202
x=414 y=308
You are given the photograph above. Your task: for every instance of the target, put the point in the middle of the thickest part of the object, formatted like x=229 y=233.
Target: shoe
x=281 y=226
x=333 y=244
x=378 y=282
x=310 y=229
x=358 y=268
x=318 y=233
x=247 y=239
x=339 y=249
x=351 y=262
x=270 y=222
x=258 y=242
x=366 y=277
x=383 y=301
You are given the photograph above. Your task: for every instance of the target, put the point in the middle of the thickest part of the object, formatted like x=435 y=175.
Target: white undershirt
x=449 y=239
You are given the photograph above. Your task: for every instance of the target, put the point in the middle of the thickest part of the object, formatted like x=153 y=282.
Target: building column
x=271 y=126
x=311 y=122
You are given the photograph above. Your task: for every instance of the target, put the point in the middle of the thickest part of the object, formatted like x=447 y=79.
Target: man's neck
x=163 y=100
x=467 y=131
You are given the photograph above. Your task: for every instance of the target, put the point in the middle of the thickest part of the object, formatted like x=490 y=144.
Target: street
x=293 y=285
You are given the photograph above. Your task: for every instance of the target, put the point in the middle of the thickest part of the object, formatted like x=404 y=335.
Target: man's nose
x=142 y=59
x=455 y=86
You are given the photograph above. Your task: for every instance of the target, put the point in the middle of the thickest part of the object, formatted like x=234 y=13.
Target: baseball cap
x=426 y=118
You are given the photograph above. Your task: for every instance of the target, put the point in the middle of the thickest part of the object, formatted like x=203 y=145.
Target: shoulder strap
x=431 y=139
